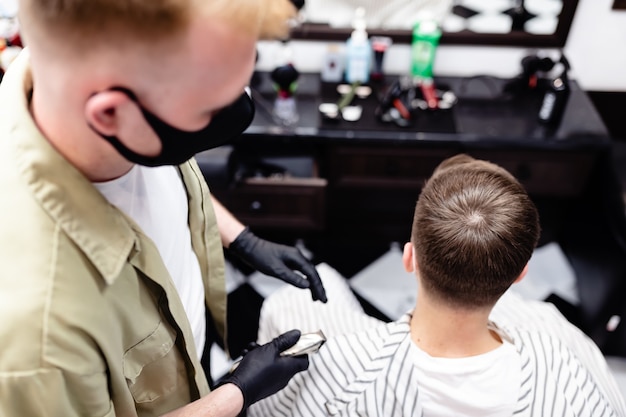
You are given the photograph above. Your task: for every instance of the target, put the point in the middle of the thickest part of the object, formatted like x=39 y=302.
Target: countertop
x=483 y=116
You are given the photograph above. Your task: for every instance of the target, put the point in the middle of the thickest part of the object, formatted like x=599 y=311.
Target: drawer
x=556 y=173
x=542 y=172
x=278 y=203
x=384 y=166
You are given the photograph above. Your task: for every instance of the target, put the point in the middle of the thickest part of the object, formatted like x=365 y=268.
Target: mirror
x=530 y=23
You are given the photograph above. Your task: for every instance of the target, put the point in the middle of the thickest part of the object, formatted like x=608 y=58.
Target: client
x=469 y=347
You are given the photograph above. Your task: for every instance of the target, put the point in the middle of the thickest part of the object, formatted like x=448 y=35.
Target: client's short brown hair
x=474 y=230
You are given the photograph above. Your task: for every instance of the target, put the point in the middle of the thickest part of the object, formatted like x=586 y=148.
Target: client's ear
x=102 y=111
x=407 y=257
x=522 y=275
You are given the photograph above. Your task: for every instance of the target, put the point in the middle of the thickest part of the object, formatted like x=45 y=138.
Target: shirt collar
x=101 y=231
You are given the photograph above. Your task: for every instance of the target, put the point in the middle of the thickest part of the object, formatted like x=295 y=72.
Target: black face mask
x=178 y=146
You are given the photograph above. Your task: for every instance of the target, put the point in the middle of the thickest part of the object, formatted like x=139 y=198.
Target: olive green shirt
x=90 y=321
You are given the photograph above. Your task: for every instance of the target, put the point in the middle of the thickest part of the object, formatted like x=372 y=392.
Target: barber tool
x=361 y=91
x=396 y=105
x=427 y=87
x=445 y=100
x=342 y=109
x=307 y=343
x=284 y=78
x=404 y=98
x=555 y=97
x=532 y=66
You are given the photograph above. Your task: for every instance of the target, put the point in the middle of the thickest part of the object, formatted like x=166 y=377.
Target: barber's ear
x=407 y=257
x=522 y=275
x=102 y=111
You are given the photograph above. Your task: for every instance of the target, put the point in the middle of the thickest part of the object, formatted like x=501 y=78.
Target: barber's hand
x=279 y=261
x=262 y=371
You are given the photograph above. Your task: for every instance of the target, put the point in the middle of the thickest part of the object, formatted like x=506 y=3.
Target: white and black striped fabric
x=369 y=372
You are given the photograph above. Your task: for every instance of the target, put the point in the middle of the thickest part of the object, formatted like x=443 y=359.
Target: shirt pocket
x=154 y=367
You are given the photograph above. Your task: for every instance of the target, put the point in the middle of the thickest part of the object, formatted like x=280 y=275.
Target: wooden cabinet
x=277 y=203
x=555 y=174
x=373 y=189
x=382 y=167
x=369 y=191
x=543 y=173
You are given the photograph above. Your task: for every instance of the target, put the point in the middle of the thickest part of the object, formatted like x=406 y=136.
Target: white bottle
x=333 y=65
x=358 y=51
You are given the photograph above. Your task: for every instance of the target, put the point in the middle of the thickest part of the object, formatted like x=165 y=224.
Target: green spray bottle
x=426 y=35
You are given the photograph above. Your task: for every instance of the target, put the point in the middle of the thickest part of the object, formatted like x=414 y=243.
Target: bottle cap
x=359 y=24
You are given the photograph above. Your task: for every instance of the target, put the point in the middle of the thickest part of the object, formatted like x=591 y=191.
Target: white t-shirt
x=484 y=385
x=156 y=200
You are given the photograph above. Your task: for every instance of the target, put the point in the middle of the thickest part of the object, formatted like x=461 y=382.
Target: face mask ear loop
x=116 y=143
x=126 y=91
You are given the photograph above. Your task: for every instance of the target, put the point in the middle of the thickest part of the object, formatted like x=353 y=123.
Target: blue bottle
x=358 y=52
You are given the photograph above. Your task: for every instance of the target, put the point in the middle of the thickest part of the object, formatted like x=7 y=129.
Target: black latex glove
x=262 y=371
x=251 y=346
x=279 y=261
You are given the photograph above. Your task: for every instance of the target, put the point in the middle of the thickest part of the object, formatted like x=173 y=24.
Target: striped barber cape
x=368 y=372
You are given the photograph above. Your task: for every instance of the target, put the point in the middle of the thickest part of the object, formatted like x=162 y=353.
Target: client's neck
x=444 y=331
